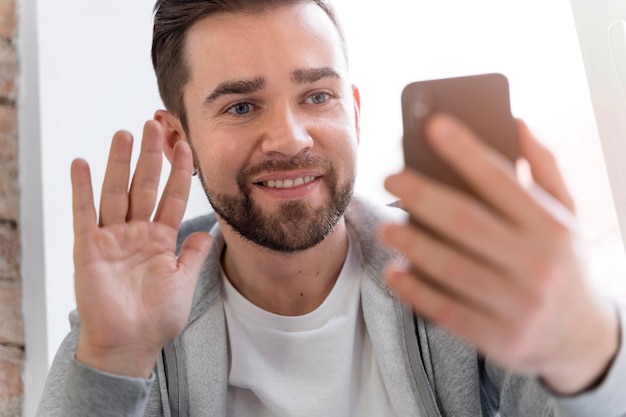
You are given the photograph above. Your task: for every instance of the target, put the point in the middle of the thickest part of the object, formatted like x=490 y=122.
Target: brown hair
x=172 y=19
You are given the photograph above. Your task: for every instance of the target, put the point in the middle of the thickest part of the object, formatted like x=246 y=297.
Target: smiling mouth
x=289 y=183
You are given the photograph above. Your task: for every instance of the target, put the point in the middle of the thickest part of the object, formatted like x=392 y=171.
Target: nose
x=285 y=133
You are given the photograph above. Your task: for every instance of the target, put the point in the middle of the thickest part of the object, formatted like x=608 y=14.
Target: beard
x=296 y=225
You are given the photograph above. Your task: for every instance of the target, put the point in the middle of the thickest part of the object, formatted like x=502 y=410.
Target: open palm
x=133 y=293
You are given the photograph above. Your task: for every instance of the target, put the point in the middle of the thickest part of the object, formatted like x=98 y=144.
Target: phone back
x=479 y=101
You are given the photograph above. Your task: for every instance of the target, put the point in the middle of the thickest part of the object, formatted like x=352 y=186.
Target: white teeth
x=296 y=182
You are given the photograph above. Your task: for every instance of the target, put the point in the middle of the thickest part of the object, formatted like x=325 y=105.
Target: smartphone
x=480 y=101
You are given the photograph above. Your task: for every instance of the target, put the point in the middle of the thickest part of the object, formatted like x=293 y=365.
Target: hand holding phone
x=477 y=268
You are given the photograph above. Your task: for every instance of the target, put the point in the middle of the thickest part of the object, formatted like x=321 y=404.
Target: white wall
x=86 y=73
x=95 y=78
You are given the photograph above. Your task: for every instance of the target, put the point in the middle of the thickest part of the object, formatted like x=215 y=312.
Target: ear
x=357 y=111
x=172 y=131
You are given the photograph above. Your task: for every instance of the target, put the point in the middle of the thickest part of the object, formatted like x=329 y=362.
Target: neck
x=289 y=284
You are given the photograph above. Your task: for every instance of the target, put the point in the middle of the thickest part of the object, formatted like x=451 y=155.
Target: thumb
x=192 y=253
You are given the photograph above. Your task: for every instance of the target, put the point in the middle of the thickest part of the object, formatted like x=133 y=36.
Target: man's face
x=273 y=123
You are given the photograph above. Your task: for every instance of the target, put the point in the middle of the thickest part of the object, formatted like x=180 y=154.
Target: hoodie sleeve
x=517 y=395
x=74 y=389
x=609 y=398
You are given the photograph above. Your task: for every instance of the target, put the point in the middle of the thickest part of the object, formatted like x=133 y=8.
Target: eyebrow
x=311 y=75
x=236 y=87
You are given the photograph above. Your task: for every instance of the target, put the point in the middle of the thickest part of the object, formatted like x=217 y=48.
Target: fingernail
x=441 y=128
x=393 y=279
x=384 y=231
x=391 y=181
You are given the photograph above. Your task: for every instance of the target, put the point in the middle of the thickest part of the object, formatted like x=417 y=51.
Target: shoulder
x=363 y=219
x=370 y=213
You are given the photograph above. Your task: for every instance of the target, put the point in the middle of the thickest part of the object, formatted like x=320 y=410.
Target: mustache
x=276 y=165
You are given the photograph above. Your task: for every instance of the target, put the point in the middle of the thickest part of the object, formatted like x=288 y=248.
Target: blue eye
x=318 y=98
x=241 y=109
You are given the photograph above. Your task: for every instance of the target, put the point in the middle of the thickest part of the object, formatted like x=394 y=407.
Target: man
x=288 y=308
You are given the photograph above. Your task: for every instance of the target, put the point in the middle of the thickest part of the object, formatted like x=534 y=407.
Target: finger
x=145 y=183
x=456 y=217
x=83 y=208
x=452 y=271
x=114 y=198
x=176 y=192
x=462 y=320
x=489 y=173
x=544 y=167
x=192 y=253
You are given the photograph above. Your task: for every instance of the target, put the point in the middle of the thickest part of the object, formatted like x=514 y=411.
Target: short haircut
x=172 y=20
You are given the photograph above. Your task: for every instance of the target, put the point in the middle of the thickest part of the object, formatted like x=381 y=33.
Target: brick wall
x=11 y=325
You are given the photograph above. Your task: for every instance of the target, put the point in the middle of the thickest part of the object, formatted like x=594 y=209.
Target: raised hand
x=133 y=294
x=513 y=282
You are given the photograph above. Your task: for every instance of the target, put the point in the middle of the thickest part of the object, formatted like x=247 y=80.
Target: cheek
x=220 y=165
x=352 y=164
x=342 y=140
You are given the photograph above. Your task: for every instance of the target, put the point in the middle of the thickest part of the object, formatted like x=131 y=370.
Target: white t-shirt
x=318 y=364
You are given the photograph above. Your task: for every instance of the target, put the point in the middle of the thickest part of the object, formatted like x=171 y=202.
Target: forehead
x=249 y=44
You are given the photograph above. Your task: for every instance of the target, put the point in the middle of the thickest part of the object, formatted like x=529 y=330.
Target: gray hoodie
x=427 y=372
